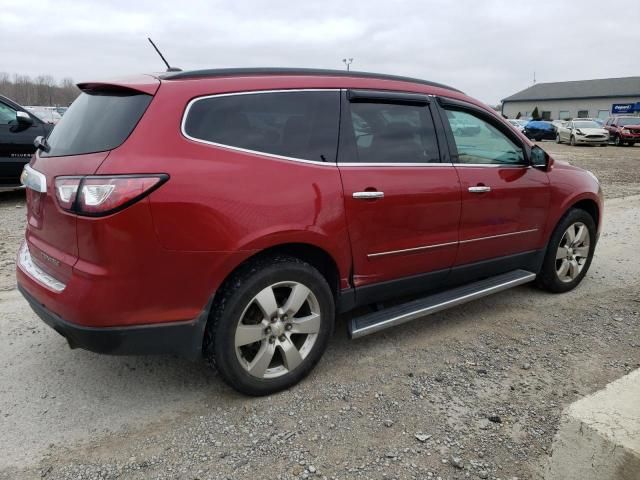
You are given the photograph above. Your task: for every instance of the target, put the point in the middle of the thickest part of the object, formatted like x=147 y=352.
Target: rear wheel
x=558 y=138
x=569 y=252
x=270 y=326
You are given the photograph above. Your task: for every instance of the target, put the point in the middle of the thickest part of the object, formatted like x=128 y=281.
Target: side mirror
x=24 y=119
x=539 y=158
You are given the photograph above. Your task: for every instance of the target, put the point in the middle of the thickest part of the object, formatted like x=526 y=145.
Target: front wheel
x=270 y=325
x=558 y=138
x=569 y=252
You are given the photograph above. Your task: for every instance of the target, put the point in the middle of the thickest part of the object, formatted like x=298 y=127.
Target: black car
x=18 y=130
x=540 y=130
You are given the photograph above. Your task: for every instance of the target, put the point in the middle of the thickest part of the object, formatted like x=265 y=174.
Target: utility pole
x=347 y=62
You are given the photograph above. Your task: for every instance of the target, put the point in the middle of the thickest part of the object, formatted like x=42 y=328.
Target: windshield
x=628 y=121
x=95 y=122
x=587 y=124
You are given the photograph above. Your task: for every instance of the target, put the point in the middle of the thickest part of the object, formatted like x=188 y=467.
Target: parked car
x=233 y=217
x=48 y=114
x=18 y=129
x=582 y=131
x=517 y=123
x=540 y=130
x=558 y=123
x=623 y=130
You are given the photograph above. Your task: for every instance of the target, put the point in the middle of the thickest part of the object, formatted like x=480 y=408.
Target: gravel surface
x=473 y=392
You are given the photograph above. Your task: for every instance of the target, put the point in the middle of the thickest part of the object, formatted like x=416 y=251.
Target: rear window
x=96 y=122
x=302 y=125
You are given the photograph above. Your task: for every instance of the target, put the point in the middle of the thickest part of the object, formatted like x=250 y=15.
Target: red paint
x=162 y=258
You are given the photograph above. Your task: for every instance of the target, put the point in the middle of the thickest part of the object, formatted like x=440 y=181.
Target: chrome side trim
x=523 y=277
x=448 y=244
x=409 y=250
x=33 y=179
x=244 y=150
x=521 y=232
x=27 y=266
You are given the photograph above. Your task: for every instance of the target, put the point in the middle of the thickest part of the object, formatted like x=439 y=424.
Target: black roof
x=599 y=88
x=237 y=72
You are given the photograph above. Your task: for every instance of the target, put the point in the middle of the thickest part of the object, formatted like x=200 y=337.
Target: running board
x=399 y=314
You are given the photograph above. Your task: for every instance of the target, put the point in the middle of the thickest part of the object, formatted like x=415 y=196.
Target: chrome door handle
x=479 y=189
x=367 y=195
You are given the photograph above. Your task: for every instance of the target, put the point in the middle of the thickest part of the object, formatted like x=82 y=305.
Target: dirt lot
x=472 y=392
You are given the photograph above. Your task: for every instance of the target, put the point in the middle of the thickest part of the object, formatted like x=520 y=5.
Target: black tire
x=618 y=142
x=547 y=278
x=558 y=138
x=237 y=295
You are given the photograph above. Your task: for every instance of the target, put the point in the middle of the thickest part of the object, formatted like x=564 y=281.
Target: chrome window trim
x=491 y=165
x=245 y=150
x=391 y=164
x=33 y=179
x=448 y=244
x=32 y=270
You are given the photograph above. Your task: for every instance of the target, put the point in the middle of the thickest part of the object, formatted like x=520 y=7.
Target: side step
x=399 y=314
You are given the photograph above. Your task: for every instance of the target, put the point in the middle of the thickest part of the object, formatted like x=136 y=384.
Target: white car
x=517 y=124
x=47 y=114
x=582 y=131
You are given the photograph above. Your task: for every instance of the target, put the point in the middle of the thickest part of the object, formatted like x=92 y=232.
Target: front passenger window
x=7 y=114
x=479 y=142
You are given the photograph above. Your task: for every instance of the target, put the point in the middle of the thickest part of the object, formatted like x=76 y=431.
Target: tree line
x=41 y=90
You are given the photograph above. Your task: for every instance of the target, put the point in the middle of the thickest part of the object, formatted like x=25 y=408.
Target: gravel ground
x=473 y=392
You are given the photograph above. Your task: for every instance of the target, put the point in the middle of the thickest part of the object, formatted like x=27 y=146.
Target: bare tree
x=42 y=90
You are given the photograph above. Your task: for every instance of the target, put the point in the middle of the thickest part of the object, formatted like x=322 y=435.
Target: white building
x=599 y=98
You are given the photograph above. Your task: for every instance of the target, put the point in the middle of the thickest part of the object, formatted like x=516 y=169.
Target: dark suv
x=231 y=214
x=18 y=129
x=623 y=130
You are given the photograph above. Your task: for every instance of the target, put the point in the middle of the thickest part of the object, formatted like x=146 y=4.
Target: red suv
x=623 y=130
x=231 y=214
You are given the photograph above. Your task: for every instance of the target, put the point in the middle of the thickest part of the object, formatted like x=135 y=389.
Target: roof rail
x=235 y=72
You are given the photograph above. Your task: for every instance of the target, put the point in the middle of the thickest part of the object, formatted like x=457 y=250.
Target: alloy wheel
x=277 y=330
x=573 y=252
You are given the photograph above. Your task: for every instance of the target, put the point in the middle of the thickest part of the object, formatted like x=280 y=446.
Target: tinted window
x=7 y=114
x=96 y=122
x=628 y=121
x=292 y=124
x=480 y=142
x=393 y=133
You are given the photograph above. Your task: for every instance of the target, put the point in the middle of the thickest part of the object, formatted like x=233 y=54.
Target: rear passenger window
x=301 y=125
x=393 y=133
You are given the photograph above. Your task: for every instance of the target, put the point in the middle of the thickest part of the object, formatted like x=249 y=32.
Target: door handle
x=367 y=195
x=479 y=189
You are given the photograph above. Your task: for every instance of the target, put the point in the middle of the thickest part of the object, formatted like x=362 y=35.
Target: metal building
x=599 y=98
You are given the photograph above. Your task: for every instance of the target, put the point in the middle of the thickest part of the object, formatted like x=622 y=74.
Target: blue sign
x=623 y=107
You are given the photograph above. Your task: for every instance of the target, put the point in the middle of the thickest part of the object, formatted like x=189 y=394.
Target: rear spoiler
x=142 y=84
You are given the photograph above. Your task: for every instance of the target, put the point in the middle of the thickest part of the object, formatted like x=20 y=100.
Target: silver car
x=582 y=131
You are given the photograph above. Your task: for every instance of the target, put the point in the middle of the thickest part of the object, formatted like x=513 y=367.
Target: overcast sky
x=489 y=49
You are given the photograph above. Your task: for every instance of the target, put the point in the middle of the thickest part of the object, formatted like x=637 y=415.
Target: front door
x=402 y=202
x=16 y=145
x=505 y=201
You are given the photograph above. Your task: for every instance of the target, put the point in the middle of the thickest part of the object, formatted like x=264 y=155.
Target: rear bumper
x=180 y=338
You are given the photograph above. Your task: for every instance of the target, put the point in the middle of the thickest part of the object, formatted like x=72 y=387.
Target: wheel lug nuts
x=272 y=339
x=282 y=338
x=288 y=326
x=267 y=330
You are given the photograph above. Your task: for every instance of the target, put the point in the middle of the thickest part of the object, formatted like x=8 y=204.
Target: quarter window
x=479 y=142
x=301 y=125
x=393 y=133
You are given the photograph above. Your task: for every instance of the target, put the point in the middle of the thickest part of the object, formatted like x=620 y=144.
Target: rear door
x=99 y=120
x=402 y=200
x=505 y=201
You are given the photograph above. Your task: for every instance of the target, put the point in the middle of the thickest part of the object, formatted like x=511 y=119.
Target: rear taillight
x=99 y=195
